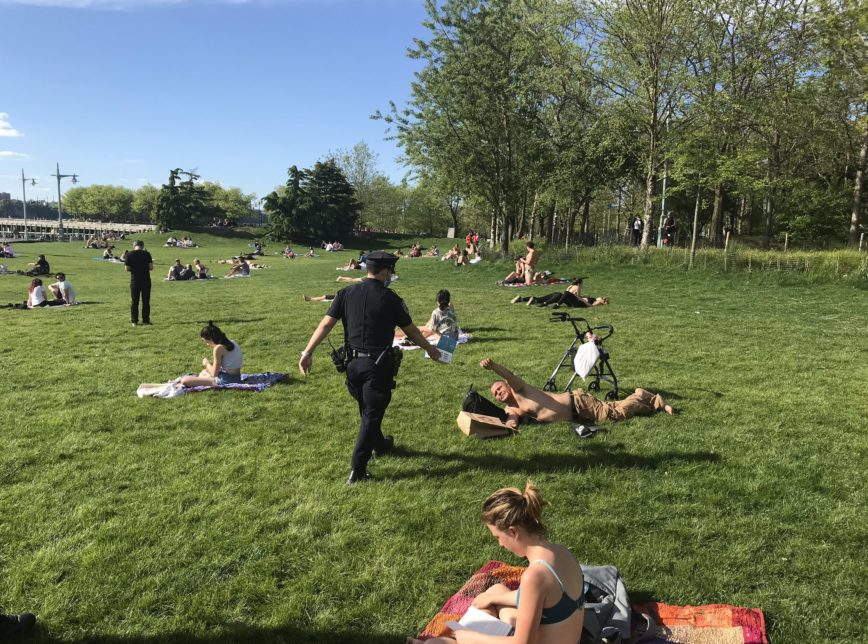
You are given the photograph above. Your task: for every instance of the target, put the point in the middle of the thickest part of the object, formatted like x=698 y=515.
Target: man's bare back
x=524 y=401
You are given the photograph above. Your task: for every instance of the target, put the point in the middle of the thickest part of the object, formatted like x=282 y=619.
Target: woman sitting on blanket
x=239 y=267
x=572 y=298
x=443 y=320
x=547 y=608
x=226 y=365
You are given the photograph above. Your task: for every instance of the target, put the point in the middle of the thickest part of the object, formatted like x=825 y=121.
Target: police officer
x=369 y=312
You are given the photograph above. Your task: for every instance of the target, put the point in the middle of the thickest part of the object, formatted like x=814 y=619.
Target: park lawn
x=223 y=517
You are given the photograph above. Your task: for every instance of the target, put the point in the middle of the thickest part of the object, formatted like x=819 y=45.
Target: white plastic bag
x=586 y=358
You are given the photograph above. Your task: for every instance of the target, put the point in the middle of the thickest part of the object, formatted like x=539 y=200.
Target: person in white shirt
x=63 y=290
x=36 y=296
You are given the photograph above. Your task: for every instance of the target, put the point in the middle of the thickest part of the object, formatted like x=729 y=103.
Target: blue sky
x=121 y=91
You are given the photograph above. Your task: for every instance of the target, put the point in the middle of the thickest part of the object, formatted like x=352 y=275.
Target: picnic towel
x=463 y=338
x=712 y=624
x=249 y=382
x=548 y=282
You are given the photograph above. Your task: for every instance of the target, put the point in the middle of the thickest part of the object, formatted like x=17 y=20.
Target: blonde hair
x=509 y=507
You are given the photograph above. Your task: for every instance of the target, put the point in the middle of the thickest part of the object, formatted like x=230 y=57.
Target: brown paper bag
x=482 y=426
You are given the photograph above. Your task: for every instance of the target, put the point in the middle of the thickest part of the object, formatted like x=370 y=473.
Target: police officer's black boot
x=358 y=476
x=387 y=446
x=12 y=626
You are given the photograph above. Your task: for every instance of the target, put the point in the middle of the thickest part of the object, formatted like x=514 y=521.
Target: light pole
x=24 y=181
x=59 y=210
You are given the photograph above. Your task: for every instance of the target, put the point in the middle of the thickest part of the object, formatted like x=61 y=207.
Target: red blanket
x=712 y=624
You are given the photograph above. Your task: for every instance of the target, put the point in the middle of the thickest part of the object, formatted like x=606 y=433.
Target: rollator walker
x=602 y=371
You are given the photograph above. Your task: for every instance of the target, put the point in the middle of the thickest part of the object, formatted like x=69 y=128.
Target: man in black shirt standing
x=369 y=312
x=139 y=265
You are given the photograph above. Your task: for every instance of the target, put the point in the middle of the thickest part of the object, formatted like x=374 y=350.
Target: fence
x=46 y=229
x=834 y=264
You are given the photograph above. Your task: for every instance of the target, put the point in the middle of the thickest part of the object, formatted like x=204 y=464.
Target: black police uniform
x=370 y=312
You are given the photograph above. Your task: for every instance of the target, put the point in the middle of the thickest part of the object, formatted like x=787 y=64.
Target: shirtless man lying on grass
x=524 y=401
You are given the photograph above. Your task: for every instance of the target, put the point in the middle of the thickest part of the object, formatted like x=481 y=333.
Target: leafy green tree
x=100 y=202
x=315 y=203
x=145 y=200
x=645 y=44
x=475 y=105
x=183 y=202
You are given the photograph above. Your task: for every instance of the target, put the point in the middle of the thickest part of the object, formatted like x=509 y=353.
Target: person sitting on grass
x=548 y=607
x=201 y=271
x=6 y=250
x=352 y=265
x=175 y=270
x=310 y=253
x=36 y=296
x=571 y=298
x=288 y=252
x=526 y=402
x=62 y=290
x=463 y=258
x=40 y=267
x=453 y=253
x=107 y=253
x=524 y=267
x=443 y=321
x=328 y=297
x=225 y=365
x=239 y=267
x=187 y=273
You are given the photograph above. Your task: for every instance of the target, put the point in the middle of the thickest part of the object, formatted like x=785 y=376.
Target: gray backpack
x=608 y=613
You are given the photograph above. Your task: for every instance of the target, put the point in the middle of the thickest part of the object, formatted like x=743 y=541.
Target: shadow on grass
x=234 y=633
x=591 y=455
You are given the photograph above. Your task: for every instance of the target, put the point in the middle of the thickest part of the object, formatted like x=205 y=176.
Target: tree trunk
x=855 y=213
x=533 y=215
x=717 y=217
x=695 y=233
x=650 y=180
x=768 y=202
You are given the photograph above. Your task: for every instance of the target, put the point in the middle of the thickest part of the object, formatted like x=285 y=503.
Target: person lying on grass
x=572 y=298
x=225 y=366
x=328 y=297
x=526 y=402
x=548 y=606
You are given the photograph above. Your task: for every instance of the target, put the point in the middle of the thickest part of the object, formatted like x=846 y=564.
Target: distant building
x=5 y=196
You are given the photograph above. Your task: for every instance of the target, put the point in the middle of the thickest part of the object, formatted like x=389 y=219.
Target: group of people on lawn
x=547 y=607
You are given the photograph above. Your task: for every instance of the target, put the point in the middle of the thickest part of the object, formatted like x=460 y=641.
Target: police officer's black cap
x=380 y=260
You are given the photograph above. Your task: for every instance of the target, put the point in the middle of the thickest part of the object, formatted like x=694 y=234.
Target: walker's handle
x=605 y=327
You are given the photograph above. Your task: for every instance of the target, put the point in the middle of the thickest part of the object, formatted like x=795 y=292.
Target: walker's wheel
x=611 y=395
x=594 y=386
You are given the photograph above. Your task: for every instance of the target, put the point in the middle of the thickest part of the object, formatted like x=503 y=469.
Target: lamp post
x=59 y=210
x=24 y=181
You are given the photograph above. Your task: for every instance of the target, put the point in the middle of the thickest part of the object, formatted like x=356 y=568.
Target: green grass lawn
x=223 y=517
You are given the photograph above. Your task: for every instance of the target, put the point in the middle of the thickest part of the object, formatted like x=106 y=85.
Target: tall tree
x=475 y=105
x=315 y=203
x=645 y=44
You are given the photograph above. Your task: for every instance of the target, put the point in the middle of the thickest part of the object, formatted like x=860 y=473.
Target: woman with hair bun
x=548 y=606
x=225 y=367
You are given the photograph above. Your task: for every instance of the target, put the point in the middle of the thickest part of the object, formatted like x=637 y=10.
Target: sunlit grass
x=224 y=517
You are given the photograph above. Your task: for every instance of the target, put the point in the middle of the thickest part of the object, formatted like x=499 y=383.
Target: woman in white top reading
x=225 y=366
x=548 y=606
